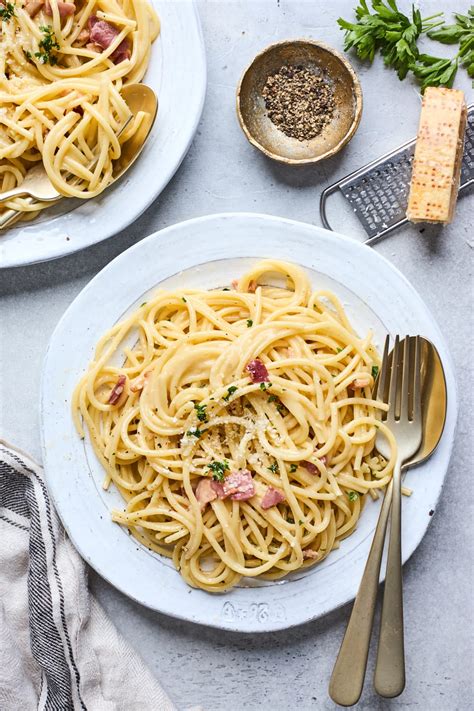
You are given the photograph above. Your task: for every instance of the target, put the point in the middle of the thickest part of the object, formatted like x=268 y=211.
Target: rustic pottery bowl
x=324 y=61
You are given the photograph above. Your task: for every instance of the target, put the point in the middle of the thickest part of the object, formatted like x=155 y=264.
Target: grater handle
x=322 y=204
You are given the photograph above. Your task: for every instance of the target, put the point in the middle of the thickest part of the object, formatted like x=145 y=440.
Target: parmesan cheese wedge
x=438 y=155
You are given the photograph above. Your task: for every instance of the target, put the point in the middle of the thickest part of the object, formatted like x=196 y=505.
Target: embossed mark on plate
x=260 y=612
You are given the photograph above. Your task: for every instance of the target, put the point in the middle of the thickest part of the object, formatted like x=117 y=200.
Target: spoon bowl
x=139 y=97
x=37 y=185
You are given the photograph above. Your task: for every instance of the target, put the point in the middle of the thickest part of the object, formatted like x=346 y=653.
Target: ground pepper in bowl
x=299 y=102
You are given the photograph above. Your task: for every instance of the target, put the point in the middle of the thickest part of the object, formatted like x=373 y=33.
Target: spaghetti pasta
x=238 y=425
x=62 y=67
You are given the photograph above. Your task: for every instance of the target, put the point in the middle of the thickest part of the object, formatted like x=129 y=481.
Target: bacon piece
x=93 y=47
x=83 y=37
x=360 y=382
x=272 y=497
x=312 y=468
x=139 y=382
x=122 y=52
x=257 y=370
x=239 y=485
x=117 y=390
x=32 y=7
x=309 y=553
x=205 y=492
x=66 y=9
x=219 y=489
x=103 y=34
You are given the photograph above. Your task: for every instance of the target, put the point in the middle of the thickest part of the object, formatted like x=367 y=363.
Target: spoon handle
x=389 y=679
x=347 y=678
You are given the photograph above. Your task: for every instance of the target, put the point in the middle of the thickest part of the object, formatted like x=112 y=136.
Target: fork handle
x=19 y=191
x=389 y=679
x=348 y=675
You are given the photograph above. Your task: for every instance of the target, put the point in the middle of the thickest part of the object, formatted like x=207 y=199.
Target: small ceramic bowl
x=324 y=61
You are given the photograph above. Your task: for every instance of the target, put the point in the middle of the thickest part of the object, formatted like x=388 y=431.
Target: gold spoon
x=38 y=186
x=347 y=679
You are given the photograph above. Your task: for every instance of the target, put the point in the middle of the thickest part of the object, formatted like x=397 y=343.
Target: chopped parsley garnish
x=353 y=495
x=265 y=386
x=195 y=433
x=273 y=467
x=201 y=412
x=272 y=398
x=375 y=371
x=230 y=391
x=249 y=323
x=47 y=45
x=300 y=522
x=144 y=304
x=339 y=350
x=7 y=11
x=290 y=519
x=282 y=409
x=218 y=469
x=183 y=299
x=293 y=468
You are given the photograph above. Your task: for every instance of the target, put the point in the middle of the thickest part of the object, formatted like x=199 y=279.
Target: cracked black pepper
x=299 y=102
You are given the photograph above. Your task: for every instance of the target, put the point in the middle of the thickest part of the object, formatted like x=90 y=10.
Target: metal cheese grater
x=378 y=192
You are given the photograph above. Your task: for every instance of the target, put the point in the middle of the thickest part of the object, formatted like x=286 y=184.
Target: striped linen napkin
x=58 y=649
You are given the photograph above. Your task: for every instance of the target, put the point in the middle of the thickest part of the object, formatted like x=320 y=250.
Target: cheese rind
x=438 y=156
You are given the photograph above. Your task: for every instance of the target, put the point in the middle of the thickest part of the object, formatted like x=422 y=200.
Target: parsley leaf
x=273 y=467
x=218 y=469
x=249 y=322
x=433 y=71
x=293 y=468
x=195 y=432
x=265 y=385
x=353 y=495
x=230 y=391
x=201 y=412
x=375 y=371
x=47 y=45
x=272 y=398
x=7 y=10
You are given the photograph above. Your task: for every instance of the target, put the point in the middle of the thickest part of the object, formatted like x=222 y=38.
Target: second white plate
x=205 y=253
x=177 y=72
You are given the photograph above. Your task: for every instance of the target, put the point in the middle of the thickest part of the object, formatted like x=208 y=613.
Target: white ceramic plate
x=209 y=252
x=177 y=72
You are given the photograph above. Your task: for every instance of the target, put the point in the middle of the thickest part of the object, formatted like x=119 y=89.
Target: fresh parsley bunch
x=388 y=30
x=462 y=33
x=441 y=72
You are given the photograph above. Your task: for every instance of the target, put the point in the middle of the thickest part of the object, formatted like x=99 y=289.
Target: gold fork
x=399 y=384
x=405 y=421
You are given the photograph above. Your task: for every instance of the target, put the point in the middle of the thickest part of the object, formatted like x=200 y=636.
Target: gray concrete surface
x=222 y=172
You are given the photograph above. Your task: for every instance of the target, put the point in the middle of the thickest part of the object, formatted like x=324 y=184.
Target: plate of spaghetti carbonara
x=221 y=428
x=62 y=68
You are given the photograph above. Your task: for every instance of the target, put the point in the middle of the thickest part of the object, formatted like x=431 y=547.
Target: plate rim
x=201 y=84
x=269 y=626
